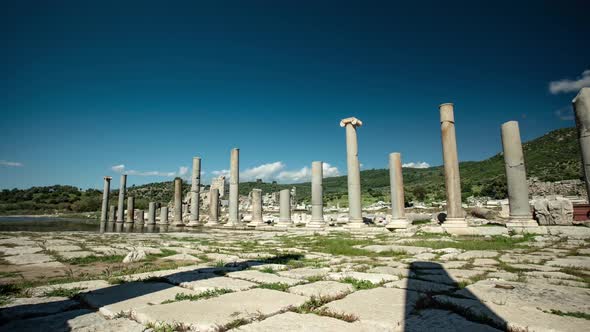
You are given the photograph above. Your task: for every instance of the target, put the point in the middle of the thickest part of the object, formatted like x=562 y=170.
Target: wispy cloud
x=420 y=164
x=567 y=85
x=10 y=163
x=565 y=113
x=182 y=172
x=276 y=171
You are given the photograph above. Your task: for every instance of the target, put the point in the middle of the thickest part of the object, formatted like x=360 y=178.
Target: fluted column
x=152 y=213
x=104 y=217
x=164 y=215
x=178 y=202
x=213 y=207
x=317 y=201
x=130 y=209
x=234 y=197
x=195 y=192
x=455 y=216
x=285 y=209
x=396 y=183
x=582 y=110
x=518 y=188
x=256 y=208
x=121 y=206
x=355 y=213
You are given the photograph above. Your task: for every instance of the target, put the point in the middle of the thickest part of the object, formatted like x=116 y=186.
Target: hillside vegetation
x=552 y=157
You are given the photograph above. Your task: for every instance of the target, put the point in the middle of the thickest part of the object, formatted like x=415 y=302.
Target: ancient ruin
x=398 y=214
x=355 y=219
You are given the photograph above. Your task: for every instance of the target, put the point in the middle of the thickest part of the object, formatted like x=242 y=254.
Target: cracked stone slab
x=329 y=289
x=419 y=285
x=375 y=278
x=25 y=259
x=84 y=285
x=571 y=261
x=81 y=320
x=35 y=306
x=128 y=296
x=381 y=308
x=294 y=322
x=210 y=314
x=264 y=278
x=305 y=272
x=218 y=282
x=535 y=267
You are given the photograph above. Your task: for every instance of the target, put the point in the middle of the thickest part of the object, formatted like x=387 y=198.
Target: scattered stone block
x=135 y=256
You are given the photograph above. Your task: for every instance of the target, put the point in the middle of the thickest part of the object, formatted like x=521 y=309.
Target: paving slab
x=305 y=273
x=442 y=320
x=10 y=251
x=218 y=282
x=274 y=267
x=67 y=247
x=28 y=259
x=182 y=257
x=263 y=278
x=19 y=308
x=571 y=261
x=395 y=271
x=84 y=286
x=327 y=289
x=382 y=308
x=294 y=322
x=75 y=254
x=375 y=278
x=213 y=313
x=397 y=248
x=477 y=254
x=419 y=285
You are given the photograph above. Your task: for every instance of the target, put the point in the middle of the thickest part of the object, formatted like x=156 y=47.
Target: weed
x=359 y=284
x=275 y=286
x=63 y=292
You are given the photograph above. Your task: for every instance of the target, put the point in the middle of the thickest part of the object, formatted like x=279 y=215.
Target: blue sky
x=89 y=86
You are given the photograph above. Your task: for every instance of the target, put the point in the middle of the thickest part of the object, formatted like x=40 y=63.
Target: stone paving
x=241 y=280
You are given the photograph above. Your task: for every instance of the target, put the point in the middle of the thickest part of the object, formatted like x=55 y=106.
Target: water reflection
x=115 y=227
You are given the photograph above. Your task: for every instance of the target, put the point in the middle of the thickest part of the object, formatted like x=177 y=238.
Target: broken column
x=140 y=217
x=396 y=183
x=112 y=213
x=164 y=215
x=195 y=192
x=582 y=110
x=256 y=208
x=213 y=207
x=285 y=209
x=152 y=213
x=455 y=220
x=178 y=202
x=104 y=217
x=130 y=209
x=121 y=207
x=518 y=189
x=234 y=197
x=355 y=217
x=317 y=202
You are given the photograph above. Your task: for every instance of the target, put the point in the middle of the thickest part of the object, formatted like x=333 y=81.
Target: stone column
x=256 y=208
x=455 y=217
x=164 y=215
x=112 y=213
x=195 y=192
x=178 y=202
x=518 y=188
x=152 y=213
x=121 y=207
x=104 y=217
x=140 y=217
x=582 y=110
x=396 y=183
x=130 y=209
x=355 y=217
x=213 y=207
x=234 y=197
x=285 y=209
x=317 y=201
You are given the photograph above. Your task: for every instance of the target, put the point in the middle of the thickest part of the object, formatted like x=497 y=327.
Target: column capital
x=108 y=178
x=352 y=120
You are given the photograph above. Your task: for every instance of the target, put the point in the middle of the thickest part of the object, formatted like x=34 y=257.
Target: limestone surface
x=322 y=289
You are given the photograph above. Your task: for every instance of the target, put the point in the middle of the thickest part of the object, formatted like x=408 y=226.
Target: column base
x=230 y=224
x=525 y=225
x=255 y=223
x=316 y=224
x=212 y=223
x=398 y=224
x=457 y=226
x=355 y=223
x=284 y=224
x=193 y=223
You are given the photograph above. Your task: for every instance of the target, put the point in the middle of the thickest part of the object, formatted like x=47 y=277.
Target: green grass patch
x=359 y=284
x=576 y=314
x=267 y=269
x=202 y=296
x=275 y=286
x=63 y=292
x=95 y=259
x=421 y=222
x=475 y=243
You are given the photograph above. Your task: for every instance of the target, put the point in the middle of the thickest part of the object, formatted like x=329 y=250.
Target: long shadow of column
x=442 y=308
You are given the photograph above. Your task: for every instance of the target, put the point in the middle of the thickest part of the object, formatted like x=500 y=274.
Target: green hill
x=552 y=157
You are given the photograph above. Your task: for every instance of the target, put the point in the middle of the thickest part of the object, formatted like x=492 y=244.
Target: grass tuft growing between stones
x=421 y=222
x=95 y=259
x=315 y=302
x=576 y=314
x=359 y=284
x=338 y=315
x=476 y=243
x=275 y=286
x=202 y=296
x=63 y=292
x=166 y=327
x=267 y=270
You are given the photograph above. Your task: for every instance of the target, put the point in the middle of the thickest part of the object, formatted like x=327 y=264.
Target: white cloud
x=420 y=164
x=276 y=171
x=182 y=172
x=567 y=85
x=565 y=113
x=10 y=163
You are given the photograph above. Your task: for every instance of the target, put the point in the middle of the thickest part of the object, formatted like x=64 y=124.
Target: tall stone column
x=112 y=213
x=130 y=209
x=317 y=201
x=256 y=208
x=518 y=188
x=455 y=220
x=355 y=213
x=121 y=207
x=234 y=197
x=178 y=202
x=164 y=215
x=285 y=209
x=104 y=217
x=396 y=183
x=152 y=213
x=213 y=208
x=195 y=192
x=582 y=110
